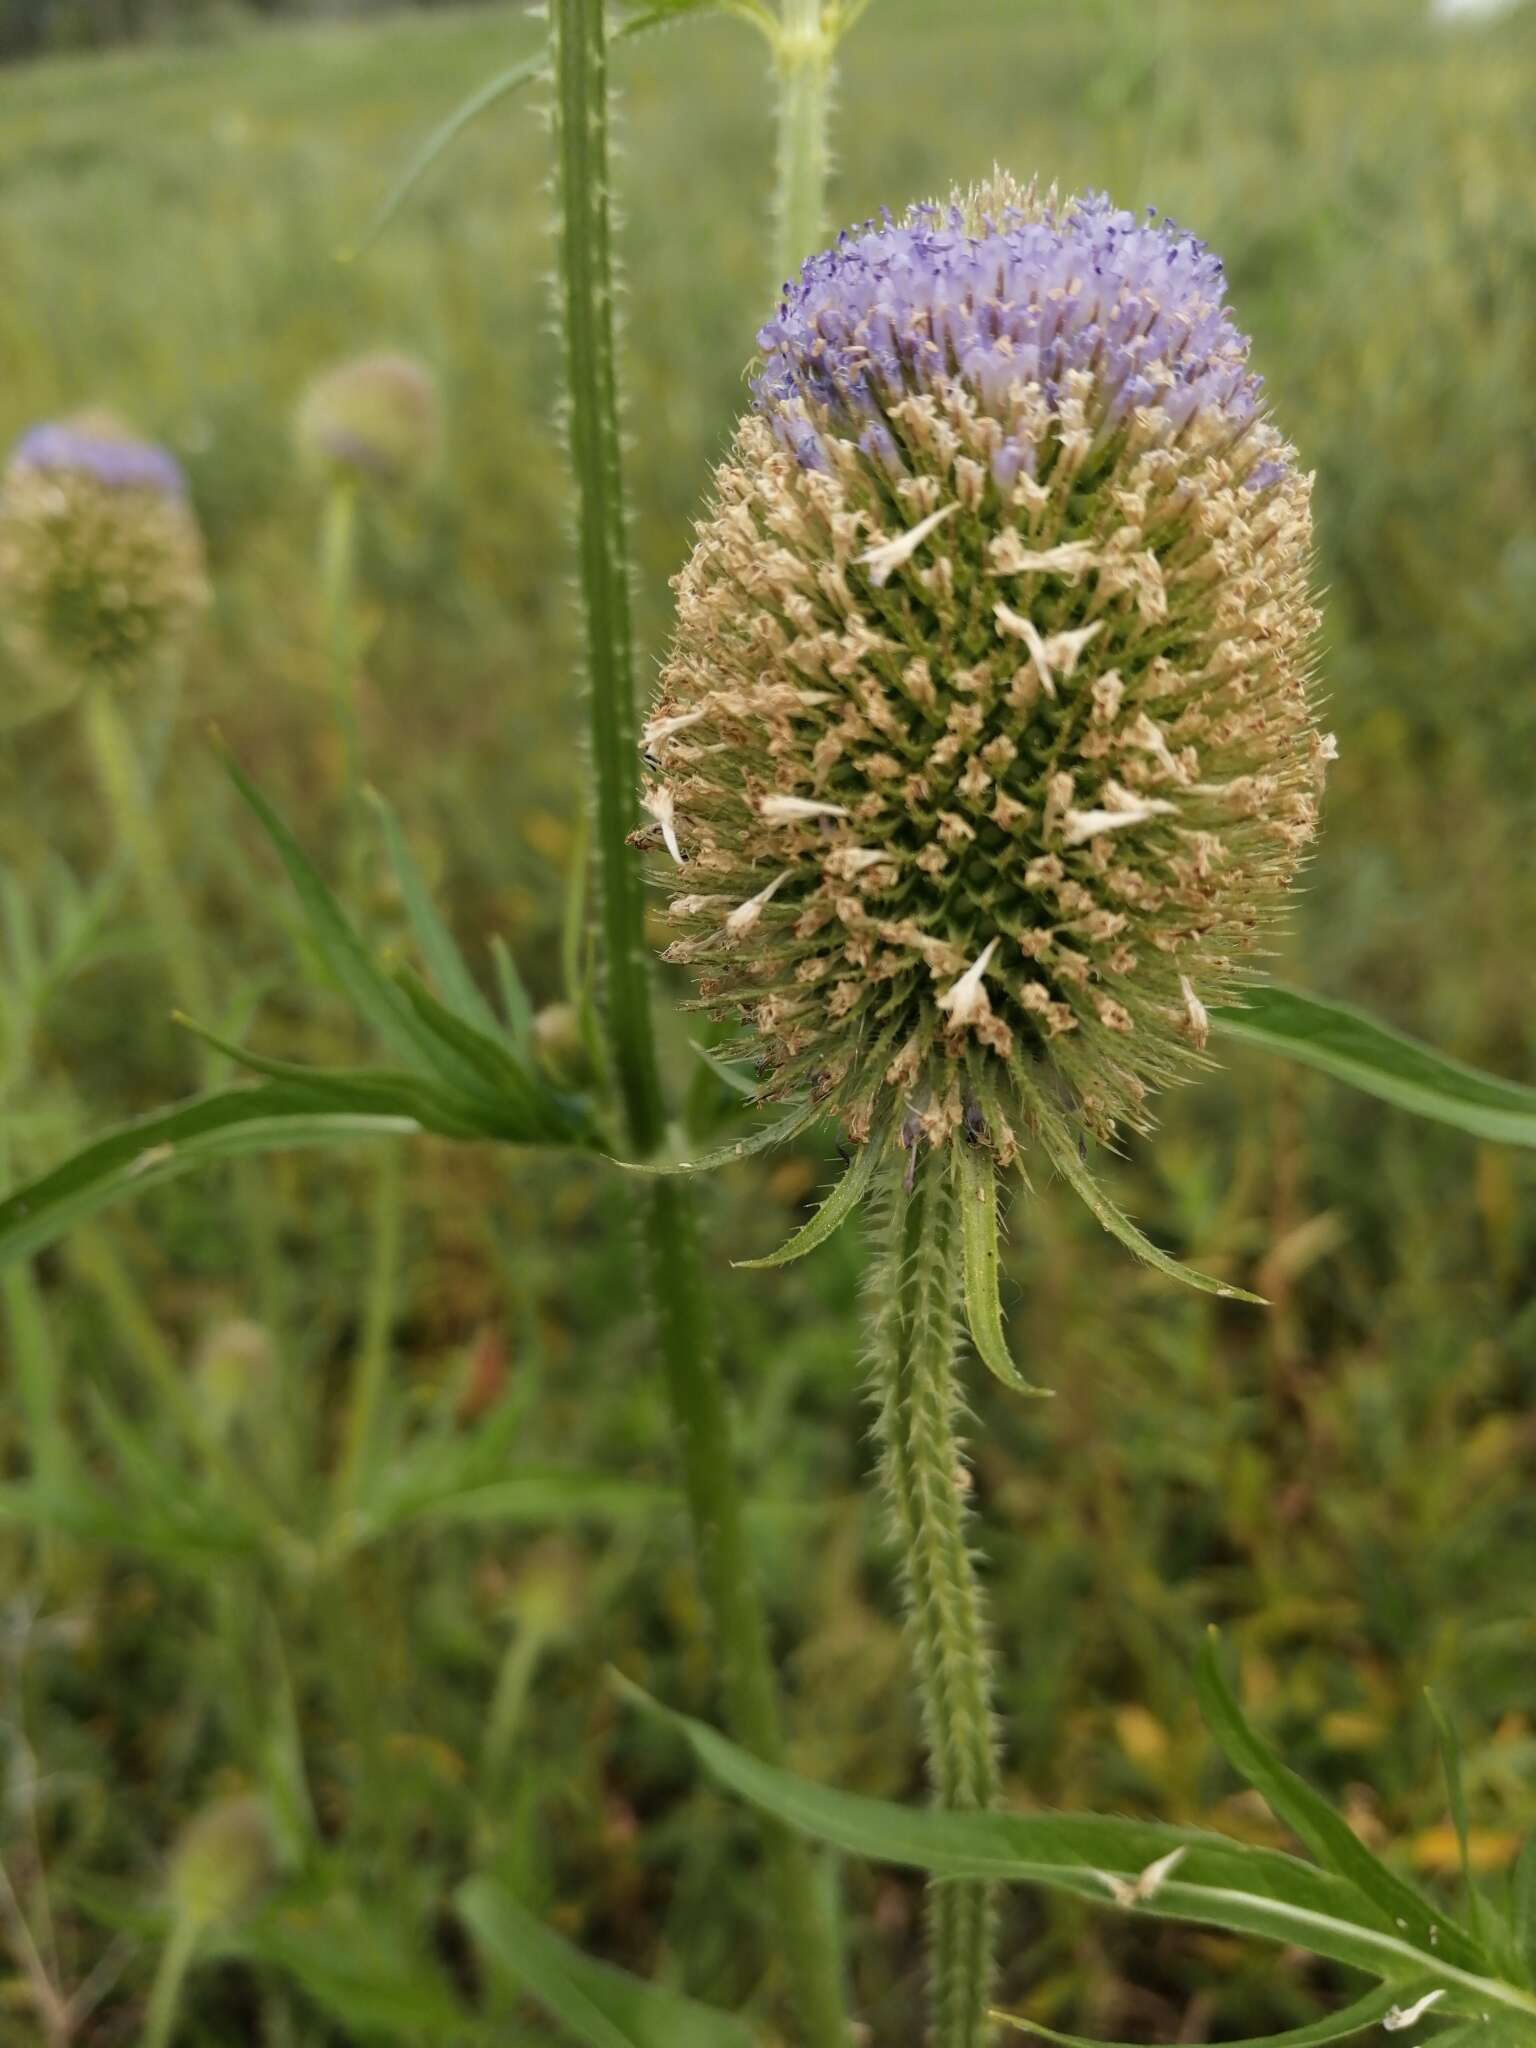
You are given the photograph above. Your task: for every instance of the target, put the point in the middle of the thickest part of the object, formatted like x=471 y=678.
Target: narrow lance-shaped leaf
x=1342 y=1041
x=364 y=982
x=1450 y=1759
x=1216 y=1882
x=380 y=1091
x=983 y=1301
x=1372 y=2010
x=600 y=2006
x=158 y=1148
x=1330 y=1838
x=439 y=950
x=1061 y=1148
x=833 y=1212
x=776 y=1133
x=1523 y=1905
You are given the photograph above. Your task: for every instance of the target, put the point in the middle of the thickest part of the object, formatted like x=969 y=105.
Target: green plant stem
x=338 y=564
x=804 y=72
x=697 y=1394
x=914 y=1286
x=170 y=1975
x=115 y=761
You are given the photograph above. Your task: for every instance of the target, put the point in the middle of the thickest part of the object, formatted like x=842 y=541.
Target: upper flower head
x=985 y=741
x=375 y=418
x=101 y=562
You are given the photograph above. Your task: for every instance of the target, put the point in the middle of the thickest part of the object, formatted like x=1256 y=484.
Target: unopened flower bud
x=101 y=561
x=225 y=1860
x=985 y=749
x=375 y=420
x=562 y=1046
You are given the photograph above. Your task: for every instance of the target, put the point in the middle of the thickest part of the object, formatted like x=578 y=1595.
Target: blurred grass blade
x=443 y=136
x=1368 y=2011
x=439 y=950
x=834 y=1211
x=168 y=1143
x=1309 y=1816
x=599 y=2005
x=527 y=1500
x=362 y=1969
x=1351 y=1046
x=1523 y=1905
x=1456 y=1793
x=1061 y=1146
x=983 y=1298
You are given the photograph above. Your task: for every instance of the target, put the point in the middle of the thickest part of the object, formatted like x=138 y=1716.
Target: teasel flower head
x=985 y=754
x=374 y=420
x=101 y=560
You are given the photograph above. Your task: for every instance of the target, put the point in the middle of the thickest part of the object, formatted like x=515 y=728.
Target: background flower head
x=101 y=560
x=375 y=419
x=985 y=747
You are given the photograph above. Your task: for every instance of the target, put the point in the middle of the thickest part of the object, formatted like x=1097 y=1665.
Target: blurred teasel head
x=101 y=560
x=374 y=420
x=985 y=749
x=224 y=1861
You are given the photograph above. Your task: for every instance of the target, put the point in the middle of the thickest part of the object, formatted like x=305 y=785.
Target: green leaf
x=439 y=951
x=365 y=984
x=372 y=1090
x=1523 y=1905
x=161 y=1147
x=515 y=1005
x=529 y=1110
x=1450 y=1760
x=978 y=1237
x=1342 y=1041
x=834 y=1211
x=538 y=1499
x=1368 y=2011
x=777 y=1133
x=359 y=1967
x=1217 y=1882
x=598 y=2004
x=1061 y=1147
x=1329 y=1837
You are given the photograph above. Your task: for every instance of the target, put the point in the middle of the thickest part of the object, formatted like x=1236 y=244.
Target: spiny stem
x=697 y=1394
x=804 y=69
x=914 y=1286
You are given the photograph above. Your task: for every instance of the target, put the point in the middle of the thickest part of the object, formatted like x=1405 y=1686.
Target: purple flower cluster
x=1020 y=296
x=56 y=447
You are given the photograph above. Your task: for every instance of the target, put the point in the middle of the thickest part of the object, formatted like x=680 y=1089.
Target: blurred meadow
x=196 y=1600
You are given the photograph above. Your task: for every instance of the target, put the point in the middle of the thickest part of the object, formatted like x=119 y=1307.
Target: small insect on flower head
x=375 y=420
x=101 y=561
x=985 y=745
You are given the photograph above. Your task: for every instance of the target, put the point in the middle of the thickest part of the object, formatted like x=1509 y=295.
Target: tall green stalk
x=670 y=1226
x=914 y=1288
x=804 y=70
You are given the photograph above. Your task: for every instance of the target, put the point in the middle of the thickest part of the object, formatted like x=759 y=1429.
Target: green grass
x=1346 y=1483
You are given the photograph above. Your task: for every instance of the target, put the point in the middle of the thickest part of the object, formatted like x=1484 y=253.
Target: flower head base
x=373 y=420
x=101 y=562
x=992 y=659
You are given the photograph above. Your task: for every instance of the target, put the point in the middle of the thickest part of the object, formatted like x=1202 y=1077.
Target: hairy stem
x=338 y=559
x=804 y=71
x=695 y=1388
x=914 y=1286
